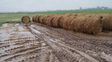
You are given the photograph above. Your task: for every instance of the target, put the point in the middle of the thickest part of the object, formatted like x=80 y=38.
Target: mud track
x=39 y=43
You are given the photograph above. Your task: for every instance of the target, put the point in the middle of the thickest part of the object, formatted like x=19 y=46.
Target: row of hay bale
x=86 y=23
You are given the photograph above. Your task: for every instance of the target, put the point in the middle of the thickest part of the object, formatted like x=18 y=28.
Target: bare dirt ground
x=39 y=43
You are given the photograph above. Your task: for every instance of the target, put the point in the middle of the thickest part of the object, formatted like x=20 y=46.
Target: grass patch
x=16 y=17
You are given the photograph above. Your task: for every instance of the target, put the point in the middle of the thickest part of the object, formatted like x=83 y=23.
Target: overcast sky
x=44 y=5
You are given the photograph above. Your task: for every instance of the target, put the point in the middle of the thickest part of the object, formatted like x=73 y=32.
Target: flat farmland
x=39 y=42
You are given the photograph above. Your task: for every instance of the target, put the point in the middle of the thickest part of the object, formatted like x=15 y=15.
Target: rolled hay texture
x=33 y=18
x=25 y=19
x=85 y=23
x=107 y=21
x=55 y=21
x=41 y=18
x=66 y=24
x=49 y=20
x=45 y=20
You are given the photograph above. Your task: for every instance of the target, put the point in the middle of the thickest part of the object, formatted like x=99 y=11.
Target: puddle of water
x=25 y=34
x=4 y=36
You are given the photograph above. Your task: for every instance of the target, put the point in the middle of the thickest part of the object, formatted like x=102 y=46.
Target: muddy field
x=39 y=43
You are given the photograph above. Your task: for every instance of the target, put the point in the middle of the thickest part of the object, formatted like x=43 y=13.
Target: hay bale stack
x=87 y=24
x=25 y=19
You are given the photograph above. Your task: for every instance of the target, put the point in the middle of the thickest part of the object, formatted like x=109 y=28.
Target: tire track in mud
x=19 y=47
x=39 y=43
x=77 y=39
x=64 y=53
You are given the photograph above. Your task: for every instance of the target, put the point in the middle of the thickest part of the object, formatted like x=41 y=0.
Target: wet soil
x=40 y=43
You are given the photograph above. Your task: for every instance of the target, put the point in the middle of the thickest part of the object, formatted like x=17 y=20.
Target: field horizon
x=16 y=16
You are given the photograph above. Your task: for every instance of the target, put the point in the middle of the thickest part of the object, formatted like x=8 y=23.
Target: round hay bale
x=49 y=21
x=70 y=25
x=33 y=19
x=56 y=21
x=67 y=22
x=25 y=19
x=88 y=24
x=64 y=22
x=61 y=19
x=41 y=19
x=96 y=24
x=107 y=21
x=36 y=19
x=45 y=20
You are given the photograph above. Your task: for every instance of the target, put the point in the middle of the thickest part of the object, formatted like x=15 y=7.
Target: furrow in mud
x=78 y=40
x=40 y=43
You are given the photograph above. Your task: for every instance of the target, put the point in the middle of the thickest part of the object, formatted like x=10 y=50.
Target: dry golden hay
x=61 y=21
x=67 y=14
x=44 y=20
x=107 y=21
x=82 y=14
x=67 y=19
x=41 y=18
x=67 y=22
x=25 y=19
x=71 y=14
x=64 y=22
x=36 y=19
x=87 y=24
x=49 y=21
x=56 y=20
x=33 y=19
